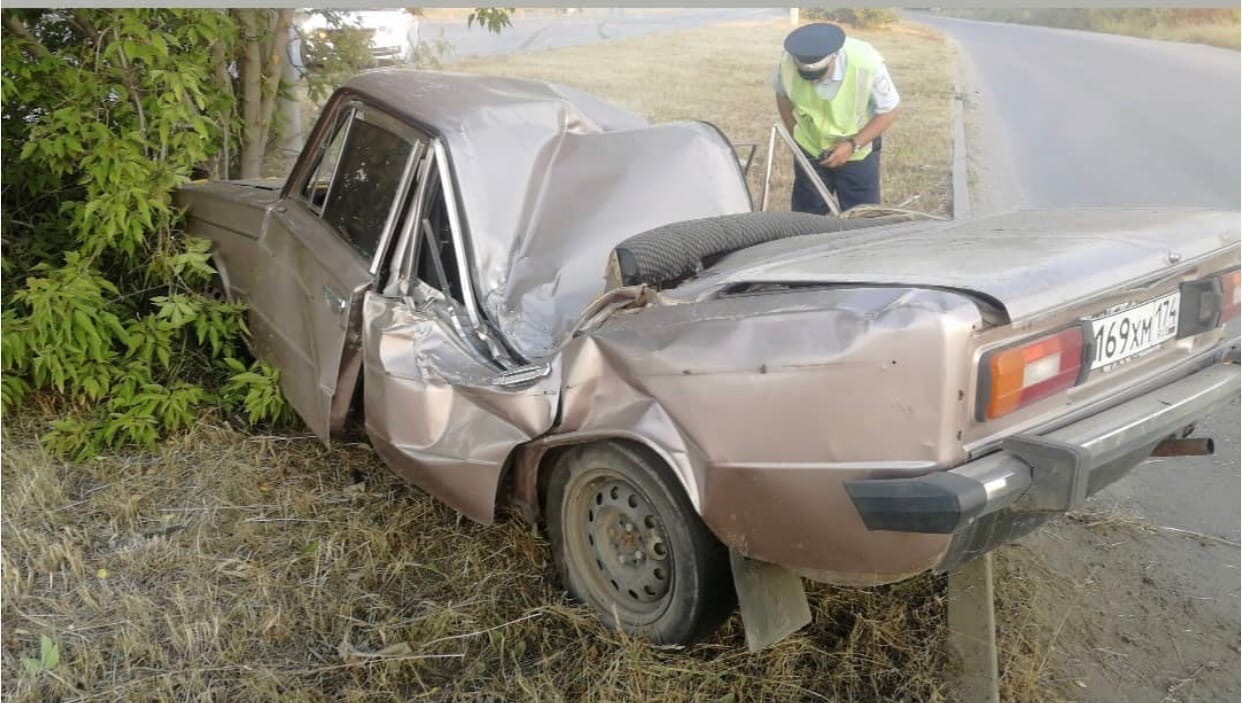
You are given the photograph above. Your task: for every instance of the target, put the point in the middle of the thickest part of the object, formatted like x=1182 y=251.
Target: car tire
x=669 y=253
x=216 y=290
x=627 y=542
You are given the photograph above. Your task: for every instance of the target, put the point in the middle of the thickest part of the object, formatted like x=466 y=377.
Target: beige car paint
x=763 y=383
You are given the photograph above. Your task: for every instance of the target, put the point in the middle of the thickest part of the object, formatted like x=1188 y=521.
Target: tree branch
x=18 y=27
x=133 y=89
x=224 y=83
x=82 y=21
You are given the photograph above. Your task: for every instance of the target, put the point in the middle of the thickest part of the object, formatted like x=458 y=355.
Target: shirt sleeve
x=884 y=97
x=777 y=84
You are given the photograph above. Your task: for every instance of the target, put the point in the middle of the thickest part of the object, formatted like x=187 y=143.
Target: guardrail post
x=972 y=630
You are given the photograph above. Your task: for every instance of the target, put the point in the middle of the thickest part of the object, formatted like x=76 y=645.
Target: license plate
x=1121 y=335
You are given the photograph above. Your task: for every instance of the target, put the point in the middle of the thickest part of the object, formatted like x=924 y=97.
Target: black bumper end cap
x=938 y=503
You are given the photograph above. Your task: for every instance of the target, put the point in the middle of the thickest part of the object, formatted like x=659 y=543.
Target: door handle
x=336 y=302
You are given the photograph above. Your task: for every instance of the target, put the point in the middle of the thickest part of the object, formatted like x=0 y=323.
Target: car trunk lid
x=1026 y=262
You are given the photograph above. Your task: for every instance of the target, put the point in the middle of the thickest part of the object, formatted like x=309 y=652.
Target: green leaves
x=12 y=391
x=49 y=656
x=178 y=309
x=335 y=55
x=493 y=19
x=111 y=110
x=256 y=389
x=192 y=265
x=218 y=325
x=68 y=327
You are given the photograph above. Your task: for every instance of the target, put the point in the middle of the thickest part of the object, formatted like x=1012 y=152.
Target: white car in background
x=393 y=33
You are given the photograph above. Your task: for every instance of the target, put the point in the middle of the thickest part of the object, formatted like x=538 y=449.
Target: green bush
x=105 y=305
x=866 y=17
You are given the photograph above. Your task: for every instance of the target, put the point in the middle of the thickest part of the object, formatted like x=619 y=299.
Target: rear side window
x=368 y=177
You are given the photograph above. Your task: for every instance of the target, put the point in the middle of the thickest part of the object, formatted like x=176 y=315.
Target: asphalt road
x=591 y=25
x=1065 y=118
x=1079 y=118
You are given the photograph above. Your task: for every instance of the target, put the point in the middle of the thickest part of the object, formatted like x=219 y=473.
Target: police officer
x=835 y=96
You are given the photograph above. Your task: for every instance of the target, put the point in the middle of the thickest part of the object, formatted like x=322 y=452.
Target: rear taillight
x=1231 y=296
x=1028 y=372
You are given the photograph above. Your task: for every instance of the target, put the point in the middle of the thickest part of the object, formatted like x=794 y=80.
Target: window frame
x=345 y=114
x=405 y=270
x=343 y=121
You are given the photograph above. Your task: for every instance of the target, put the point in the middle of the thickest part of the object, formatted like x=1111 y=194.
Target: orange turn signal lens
x=1022 y=374
x=1231 y=296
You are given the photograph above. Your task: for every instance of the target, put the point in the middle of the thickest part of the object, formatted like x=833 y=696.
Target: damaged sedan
x=530 y=297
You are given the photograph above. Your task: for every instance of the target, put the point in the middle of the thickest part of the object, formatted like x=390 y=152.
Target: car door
x=320 y=250
x=445 y=404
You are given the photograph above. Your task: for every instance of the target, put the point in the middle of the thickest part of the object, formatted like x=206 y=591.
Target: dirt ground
x=1120 y=615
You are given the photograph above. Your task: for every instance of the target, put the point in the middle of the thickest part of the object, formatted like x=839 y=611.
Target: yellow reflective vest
x=822 y=123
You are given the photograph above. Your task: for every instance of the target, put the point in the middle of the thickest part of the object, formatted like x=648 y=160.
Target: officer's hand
x=839 y=155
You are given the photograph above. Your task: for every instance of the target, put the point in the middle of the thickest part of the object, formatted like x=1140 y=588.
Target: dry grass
x=230 y=567
x=1217 y=27
x=1033 y=605
x=724 y=75
x=227 y=567
x=1224 y=36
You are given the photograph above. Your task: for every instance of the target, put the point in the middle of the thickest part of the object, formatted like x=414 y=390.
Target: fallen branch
x=280 y=438
x=1200 y=535
x=285 y=519
x=1178 y=684
x=211 y=508
x=482 y=632
x=367 y=662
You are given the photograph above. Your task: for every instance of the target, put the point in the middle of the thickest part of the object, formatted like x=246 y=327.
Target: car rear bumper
x=1005 y=495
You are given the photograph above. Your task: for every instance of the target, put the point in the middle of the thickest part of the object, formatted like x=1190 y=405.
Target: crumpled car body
x=842 y=404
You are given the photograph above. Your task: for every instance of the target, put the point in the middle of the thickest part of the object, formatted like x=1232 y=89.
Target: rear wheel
x=627 y=542
x=216 y=290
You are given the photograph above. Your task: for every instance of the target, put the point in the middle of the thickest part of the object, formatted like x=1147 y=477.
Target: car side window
x=435 y=260
x=369 y=176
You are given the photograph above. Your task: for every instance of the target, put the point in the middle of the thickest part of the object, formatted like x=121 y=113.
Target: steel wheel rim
x=619 y=545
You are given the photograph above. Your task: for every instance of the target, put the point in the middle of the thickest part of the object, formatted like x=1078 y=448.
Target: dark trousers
x=854 y=183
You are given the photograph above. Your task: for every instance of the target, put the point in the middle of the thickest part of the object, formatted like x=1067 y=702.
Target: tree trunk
x=289 y=112
x=252 y=94
x=262 y=63
x=277 y=48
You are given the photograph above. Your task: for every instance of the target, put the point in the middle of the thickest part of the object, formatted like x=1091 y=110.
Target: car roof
x=444 y=101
